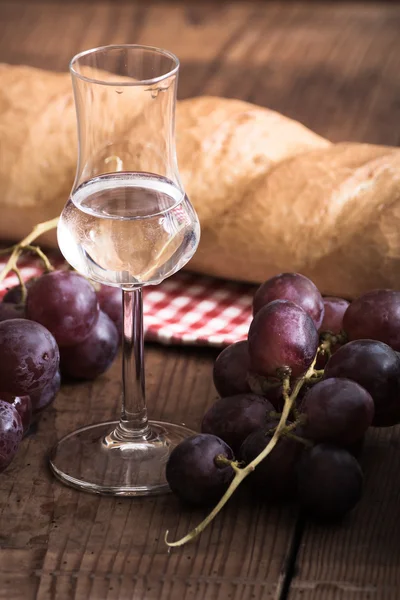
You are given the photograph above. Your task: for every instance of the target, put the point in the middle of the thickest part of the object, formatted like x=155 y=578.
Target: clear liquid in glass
x=128 y=229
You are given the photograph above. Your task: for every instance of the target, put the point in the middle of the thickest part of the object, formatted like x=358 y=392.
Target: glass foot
x=94 y=460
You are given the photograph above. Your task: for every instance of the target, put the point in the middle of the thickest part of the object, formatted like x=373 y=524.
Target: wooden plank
x=333 y=66
x=333 y=592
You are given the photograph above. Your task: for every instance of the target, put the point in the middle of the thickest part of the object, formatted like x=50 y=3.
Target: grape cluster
x=332 y=365
x=59 y=325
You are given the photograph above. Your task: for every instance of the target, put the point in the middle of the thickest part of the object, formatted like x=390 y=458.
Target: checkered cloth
x=184 y=309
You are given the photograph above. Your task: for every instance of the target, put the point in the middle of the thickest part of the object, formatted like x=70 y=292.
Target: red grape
x=338 y=411
x=375 y=316
x=11 y=432
x=233 y=418
x=95 y=354
x=376 y=367
x=275 y=477
x=294 y=287
x=274 y=394
x=11 y=311
x=29 y=357
x=333 y=314
x=43 y=398
x=329 y=482
x=194 y=474
x=231 y=369
x=66 y=304
x=22 y=405
x=282 y=335
x=14 y=294
x=110 y=300
x=332 y=322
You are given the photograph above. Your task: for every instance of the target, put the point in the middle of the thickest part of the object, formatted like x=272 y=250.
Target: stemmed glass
x=127 y=223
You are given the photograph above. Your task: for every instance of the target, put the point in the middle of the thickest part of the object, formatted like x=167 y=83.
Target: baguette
x=271 y=195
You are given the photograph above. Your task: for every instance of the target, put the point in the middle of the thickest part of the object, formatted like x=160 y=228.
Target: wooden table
x=336 y=67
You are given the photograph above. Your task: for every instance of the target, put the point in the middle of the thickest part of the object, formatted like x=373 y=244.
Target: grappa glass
x=127 y=223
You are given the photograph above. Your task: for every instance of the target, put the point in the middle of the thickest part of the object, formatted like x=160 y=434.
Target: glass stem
x=133 y=423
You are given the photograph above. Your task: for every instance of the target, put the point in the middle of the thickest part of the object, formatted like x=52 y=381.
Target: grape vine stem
x=26 y=244
x=242 y=473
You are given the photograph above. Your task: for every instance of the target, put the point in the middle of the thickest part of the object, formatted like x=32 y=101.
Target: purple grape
x=11 y=432
x=282 y=335
x=14 y=294
x=334 y=309
x=22 y=405
x=11 y=311
x=95 y=354
x=333 y=322
x=193 y=471
x=233 y=418
x=338 y=411
x=375 y=316
x=110 y=300
x=275 y=477
x=376 y=367
x=43 y=398
x=274 y=394
x=329 y=482
x=29 y=357
x=231 y=369
x=66 y=304
x=293 y=287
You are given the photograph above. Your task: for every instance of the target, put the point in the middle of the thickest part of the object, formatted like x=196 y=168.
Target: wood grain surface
x=334 y=66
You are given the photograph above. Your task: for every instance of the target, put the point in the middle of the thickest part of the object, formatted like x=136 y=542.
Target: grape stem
x=328 y=340
x=222 y=461
x=242 y=473
x=26 y=244
x=21 y=283
x=299 y=439
x=37 y=250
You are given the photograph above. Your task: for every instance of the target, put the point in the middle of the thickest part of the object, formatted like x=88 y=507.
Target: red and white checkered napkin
x=194 y=309
x=184 y=309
